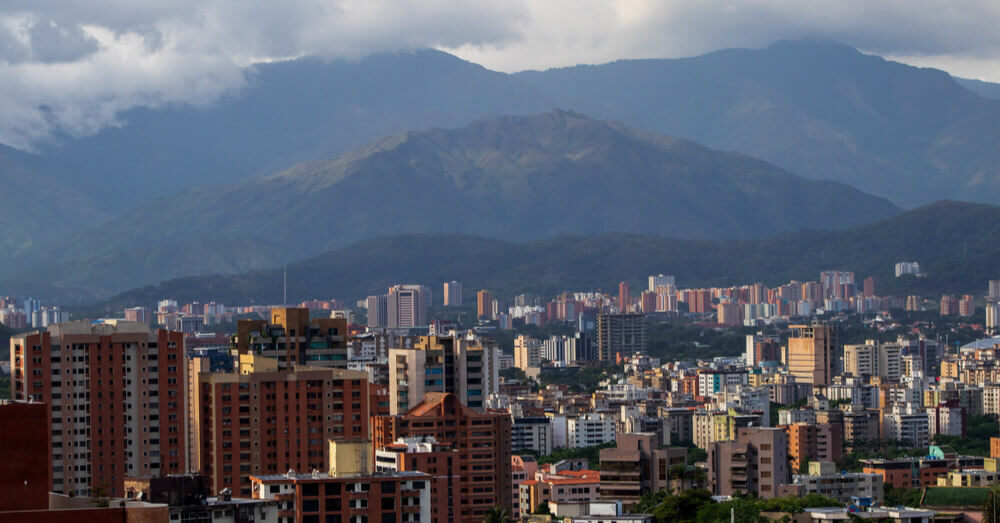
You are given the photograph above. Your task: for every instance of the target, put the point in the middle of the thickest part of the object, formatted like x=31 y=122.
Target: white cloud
x=72 y=67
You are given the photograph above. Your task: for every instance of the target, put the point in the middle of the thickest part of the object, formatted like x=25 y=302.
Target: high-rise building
x=992 y=317
x=139 y=314
x=729 y=313
x=484 y=305
x=291 y=338
x=907 y=268
x=862 y=360
x=453 y=364
x=624 y=297
x=949 y=305
x=870 y=286
x=993 y=292
x=660 y=280
x=756 y=463
x=637 y=465
x=967 y=305
x=527 y=352
x=378 y=310
x=407 y=306
x=762 y=347
x=620 y=334
x=481 y=439
x=913 y=303
x=666 y=299
x=647 y=302
x=26 y=468
x=811 y=353
x=116 y=391
x=266 y=419
x=833 y=282
x=452 y=293
x=439 y=461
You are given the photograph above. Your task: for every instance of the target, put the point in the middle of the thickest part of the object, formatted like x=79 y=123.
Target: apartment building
x=527 y=352
x=292 y=338
x=811 y=353
x=588 y=430
x=532 y=434
x=406 y=306
x=447 y=364
x=266 y=420
x=452 y=293
x=755 y=463
x=481 y=439
x=620 y=334
x=570 y=486
x=848 y=487
x=814 y=441
x=352 y=491
x=116 y=390
x=635 y=466
x=439 y=461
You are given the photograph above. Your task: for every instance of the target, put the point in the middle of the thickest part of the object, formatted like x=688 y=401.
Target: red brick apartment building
x=25 y=472
x=116 y=391
x=262 y=420
x=481 y=439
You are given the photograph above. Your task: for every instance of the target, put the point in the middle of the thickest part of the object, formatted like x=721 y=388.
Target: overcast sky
x=71 y=66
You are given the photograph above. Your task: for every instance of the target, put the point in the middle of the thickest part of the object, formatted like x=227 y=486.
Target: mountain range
x=160 y=195
x=955 y=243
x=513 y=178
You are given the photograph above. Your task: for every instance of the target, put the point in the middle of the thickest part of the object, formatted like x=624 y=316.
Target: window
x=388 y=487
x=388 y=503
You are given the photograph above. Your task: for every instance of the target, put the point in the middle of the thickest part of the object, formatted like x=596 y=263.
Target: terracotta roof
x=433 y=400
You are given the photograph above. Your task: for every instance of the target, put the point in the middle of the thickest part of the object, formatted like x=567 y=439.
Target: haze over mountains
x=956 y=244
x=515 y=178
x=818 y=110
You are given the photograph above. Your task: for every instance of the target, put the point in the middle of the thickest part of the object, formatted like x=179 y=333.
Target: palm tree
x=497 y=515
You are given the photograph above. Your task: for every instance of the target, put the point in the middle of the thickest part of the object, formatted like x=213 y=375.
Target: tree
x=804 y=465
x=543 y=508
x=497 y=515
x=991 y=507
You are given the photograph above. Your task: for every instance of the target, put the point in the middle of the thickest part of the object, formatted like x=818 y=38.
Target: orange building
x=568 y=486
x=481 y=439
x=814 y=442
x=484 y=304
x=995 y=447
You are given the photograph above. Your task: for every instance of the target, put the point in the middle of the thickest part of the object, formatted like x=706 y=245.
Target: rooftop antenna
x=284 y=295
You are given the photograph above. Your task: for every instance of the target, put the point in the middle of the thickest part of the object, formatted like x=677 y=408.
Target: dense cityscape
x=411 y=407
x=561 y=261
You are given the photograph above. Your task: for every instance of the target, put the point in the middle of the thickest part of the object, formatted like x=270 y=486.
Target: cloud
x=72 y=68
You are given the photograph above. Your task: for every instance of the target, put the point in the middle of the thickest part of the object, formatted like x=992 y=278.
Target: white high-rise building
x=907 y=268
x=660 y=280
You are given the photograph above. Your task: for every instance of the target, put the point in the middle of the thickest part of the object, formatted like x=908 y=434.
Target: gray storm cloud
x=72 y=67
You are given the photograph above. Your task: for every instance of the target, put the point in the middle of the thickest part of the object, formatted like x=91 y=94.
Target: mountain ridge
x=966 y=237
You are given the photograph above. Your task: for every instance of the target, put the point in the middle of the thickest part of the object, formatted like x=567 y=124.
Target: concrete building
x=378 y=310
x=660 y=280
x=188 y=498
x=755 y=463
x=116 y=391
x=588 y=430
x=851 y=488
x=909 y=426
x=292 y=338
x=814 y=441
x=482 y=440
x=347 y=493
x=572 y=486
x=452 y=293
x=811 y=353
x=531 y=433
x=266 y=420
x=527 y=352
x=407 y=306
x=439 y=461
x=620 y=334
x=762 y=347
x=484 y=305
x=453 y=364
x=635 y=466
